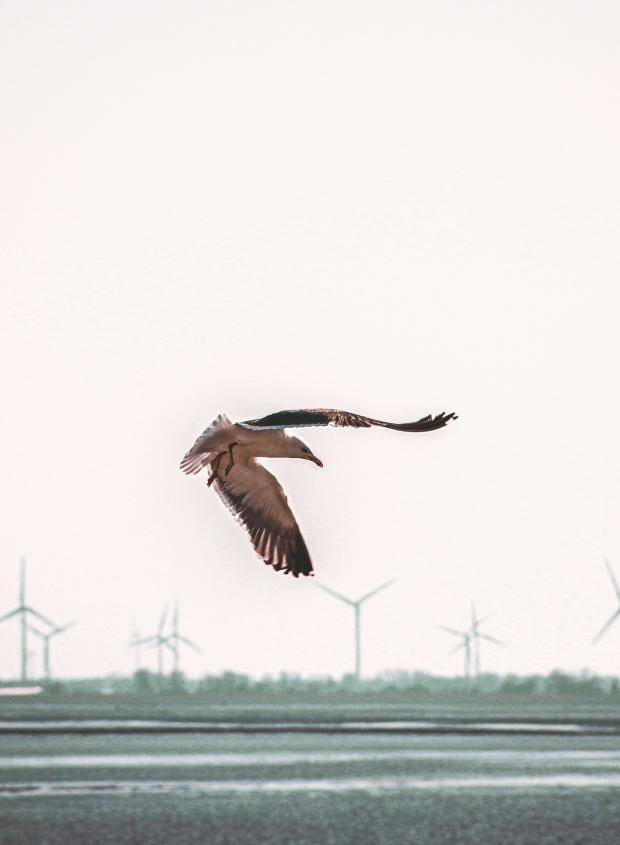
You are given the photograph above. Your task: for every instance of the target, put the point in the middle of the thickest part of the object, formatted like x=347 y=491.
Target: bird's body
x=250 y=443
x=252 y=494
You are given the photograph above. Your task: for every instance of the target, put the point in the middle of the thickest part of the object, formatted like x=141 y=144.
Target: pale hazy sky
x=393 y=208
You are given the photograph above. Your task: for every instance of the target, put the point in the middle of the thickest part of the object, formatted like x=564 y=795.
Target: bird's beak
x=316 y=461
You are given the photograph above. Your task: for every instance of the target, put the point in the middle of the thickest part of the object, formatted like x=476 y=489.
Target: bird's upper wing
x=256 y=499
x=329 y=416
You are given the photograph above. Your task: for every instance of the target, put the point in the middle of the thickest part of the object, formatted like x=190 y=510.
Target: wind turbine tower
x=23 y=611
x=465 y=644
x=616 y=612
x=357 y=607
x=46 y=636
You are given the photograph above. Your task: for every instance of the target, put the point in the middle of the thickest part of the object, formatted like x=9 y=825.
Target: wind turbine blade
x=474 y=621
x=452 y=631
x=183 y=639
x=41 y=617
x=22 y=581
x=607 y=624
x=479 y=622
x=175 y=618
x=35 y=630
x=492 y=640
x=334 y=593
x=10 y=615
x=63 y=628
x=458 y=647
x=145 y=641
x=162 y=621
x=375 y=591
x=613 y=578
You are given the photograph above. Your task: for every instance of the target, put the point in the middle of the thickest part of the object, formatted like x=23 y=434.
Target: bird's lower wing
x=329 y=416
x=256 y=499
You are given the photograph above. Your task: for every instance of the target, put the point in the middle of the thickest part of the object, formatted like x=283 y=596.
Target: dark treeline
x=416 y=684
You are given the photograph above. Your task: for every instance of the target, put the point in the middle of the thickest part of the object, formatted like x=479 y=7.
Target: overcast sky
x=393 y=208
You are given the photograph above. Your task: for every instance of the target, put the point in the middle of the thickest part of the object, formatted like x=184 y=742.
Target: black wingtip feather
x=429 y=423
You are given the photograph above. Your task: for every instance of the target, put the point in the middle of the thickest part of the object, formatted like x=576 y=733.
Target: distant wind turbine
x=159 y=641
x=616 y=612
x=23 y=611
x=46 y=636
x=176 y=639
x=357 y=606
x=477 y=635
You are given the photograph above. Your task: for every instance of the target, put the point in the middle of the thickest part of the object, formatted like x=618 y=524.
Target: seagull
x=252 y=494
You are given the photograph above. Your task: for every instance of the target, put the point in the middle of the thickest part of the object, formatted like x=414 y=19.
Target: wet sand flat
x=535 y=817
x=309 y=788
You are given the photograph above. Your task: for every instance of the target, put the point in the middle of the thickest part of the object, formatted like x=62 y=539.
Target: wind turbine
x=616 y=612
x=46 y=636
x=159 y=641
x=357 y=606
x=477 y=635
x=134 y=642
x=465 y=644
x=175 y=638
x=23 y=611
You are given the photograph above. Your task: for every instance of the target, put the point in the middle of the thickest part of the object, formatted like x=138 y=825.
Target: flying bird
x=252 y=494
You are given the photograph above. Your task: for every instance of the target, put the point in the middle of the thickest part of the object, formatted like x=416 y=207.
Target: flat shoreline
x=307 y=728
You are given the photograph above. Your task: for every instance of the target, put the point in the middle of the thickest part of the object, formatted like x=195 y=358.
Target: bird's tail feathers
x=205 y=448
x=194 y=463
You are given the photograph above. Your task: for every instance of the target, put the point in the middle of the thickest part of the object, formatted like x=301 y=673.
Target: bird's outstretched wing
x=329 y=416
x=255 y=498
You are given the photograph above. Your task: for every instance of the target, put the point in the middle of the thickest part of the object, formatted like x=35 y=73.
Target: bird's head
x=300 y=450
